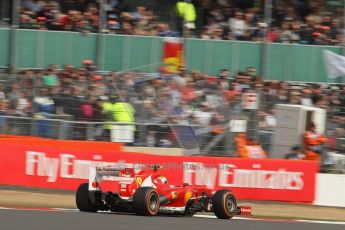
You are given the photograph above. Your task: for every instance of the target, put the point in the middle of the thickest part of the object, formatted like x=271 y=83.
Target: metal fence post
x=208 y=57
x=32 y=126
x=126 y=62
x=40 y=49
x=228 y=135
x=100 y=38
x=343 y=46
x=13 y=34
x=344 y=29
x=185 y=52
x=265 y=46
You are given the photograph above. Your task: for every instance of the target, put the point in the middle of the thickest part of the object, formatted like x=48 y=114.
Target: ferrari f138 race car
x=148 y=193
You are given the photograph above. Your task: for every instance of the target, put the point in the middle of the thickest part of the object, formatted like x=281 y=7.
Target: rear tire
x=82 y=199
x=224 y=204
x=146 y=201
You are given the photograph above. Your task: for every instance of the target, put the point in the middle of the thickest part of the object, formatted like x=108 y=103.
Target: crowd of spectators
x=84 y=16
x=302 y=22
x=299 y=22
x=185 y=98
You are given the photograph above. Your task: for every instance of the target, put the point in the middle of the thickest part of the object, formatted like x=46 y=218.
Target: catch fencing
x=159 y=121
x=192 y=138
x=167 y=128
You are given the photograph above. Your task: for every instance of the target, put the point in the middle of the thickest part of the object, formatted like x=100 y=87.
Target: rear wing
x=114 y=173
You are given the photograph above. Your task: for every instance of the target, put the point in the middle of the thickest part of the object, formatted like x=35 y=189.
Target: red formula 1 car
x=148 y=193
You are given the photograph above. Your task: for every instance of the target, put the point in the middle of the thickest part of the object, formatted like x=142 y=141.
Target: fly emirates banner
x=66 y=168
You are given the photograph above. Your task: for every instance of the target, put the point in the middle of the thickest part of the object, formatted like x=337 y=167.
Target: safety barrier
x=54 y=164
x=37 y=49
x=330 y=190
x=44 y=163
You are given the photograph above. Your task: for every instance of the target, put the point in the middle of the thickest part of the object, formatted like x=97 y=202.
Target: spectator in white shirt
x=2 y=93
x=44 y=103
x=23 y=105
x=203 y=115
x=270 y=119
x=33 y=5
x=306 y=98
x=238 y=26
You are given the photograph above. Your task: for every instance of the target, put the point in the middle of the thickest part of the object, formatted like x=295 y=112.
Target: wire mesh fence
x=168 y=109
x=191 y=138
x=171 y=110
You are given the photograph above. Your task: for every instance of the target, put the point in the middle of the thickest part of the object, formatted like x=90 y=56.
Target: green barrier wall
x=37 y=49
x=297 y=62
x=4 y=47
x=210 y=56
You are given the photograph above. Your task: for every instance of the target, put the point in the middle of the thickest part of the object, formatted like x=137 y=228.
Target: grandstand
x=64 y=60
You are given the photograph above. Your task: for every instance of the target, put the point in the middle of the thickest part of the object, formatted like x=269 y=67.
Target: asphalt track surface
x=57 y=220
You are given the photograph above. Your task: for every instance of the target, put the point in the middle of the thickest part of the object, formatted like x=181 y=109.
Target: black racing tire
x=224 y=204
x=146 y=201
x=189 y=214
x=82 y=199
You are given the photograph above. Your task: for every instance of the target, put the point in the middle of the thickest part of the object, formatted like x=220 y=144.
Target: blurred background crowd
x=292 y=21
x=189 y=108
x=187 y=98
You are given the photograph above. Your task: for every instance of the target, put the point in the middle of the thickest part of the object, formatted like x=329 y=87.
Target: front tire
x=188 y=214
x=146 y=201
x=82 y=199
x=224 y=204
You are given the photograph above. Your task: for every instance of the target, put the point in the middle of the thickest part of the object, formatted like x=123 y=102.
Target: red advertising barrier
x=65 y=168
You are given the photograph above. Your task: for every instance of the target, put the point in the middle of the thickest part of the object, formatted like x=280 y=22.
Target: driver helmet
x=161 y=180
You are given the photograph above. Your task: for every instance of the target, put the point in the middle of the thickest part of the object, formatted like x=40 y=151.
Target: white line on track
x=277 y=220
x=66 y=209
x=322 y=222
x=197 y=216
